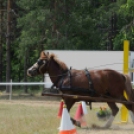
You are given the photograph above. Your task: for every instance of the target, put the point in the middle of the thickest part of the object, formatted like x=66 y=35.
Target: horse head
x=40 y=67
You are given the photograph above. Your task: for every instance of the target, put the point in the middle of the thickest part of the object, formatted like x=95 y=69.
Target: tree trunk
x=2 y=13
x=53 y=8
x=1 y=31
x=8 y=44
x=25 y=71
x=112 y=31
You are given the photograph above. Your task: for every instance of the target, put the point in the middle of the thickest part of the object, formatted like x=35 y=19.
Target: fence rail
x=28 y=83
x=25 y=83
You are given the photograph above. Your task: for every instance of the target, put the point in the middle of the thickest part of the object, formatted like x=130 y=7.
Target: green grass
x=27 y=118
x=38 y=117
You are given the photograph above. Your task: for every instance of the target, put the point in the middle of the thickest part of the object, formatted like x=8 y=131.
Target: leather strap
x=59 y=78
x=89 y=80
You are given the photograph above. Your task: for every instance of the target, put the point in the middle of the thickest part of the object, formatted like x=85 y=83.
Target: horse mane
x=60 y=63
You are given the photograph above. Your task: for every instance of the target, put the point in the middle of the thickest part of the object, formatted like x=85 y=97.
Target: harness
x=59 y=78
x=91 y=87
x=68 y=74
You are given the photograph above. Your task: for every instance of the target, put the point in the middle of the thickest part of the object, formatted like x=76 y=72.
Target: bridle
x=41 y=63
x=44 y=64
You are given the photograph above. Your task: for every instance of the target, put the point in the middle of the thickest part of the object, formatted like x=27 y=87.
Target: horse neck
x=54 y=71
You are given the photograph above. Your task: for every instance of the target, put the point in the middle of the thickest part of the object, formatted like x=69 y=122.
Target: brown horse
x=96 y=83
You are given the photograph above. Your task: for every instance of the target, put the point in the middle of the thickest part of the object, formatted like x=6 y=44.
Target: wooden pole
x=88 y=98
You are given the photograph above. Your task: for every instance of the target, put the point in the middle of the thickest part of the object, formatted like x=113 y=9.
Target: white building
x=90 y=59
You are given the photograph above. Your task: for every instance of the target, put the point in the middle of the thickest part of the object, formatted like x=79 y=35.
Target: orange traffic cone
x=60 y=109
x=79 y=115
x=66 y=126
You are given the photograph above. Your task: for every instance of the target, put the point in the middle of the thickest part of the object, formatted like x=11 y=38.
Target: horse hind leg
x=130 y=107
x=132 y=116
x=130 y=94
x=115 y=110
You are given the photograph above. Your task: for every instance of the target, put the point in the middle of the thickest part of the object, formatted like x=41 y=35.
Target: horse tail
x=128 y=89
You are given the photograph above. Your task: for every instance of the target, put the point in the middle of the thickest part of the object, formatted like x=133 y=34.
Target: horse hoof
x=95 y=126
x=99 y=127
x=78 y=124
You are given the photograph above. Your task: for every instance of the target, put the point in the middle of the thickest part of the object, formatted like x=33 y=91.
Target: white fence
x=25 y=83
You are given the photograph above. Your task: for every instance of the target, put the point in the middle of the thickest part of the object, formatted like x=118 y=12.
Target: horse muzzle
x=32 y=73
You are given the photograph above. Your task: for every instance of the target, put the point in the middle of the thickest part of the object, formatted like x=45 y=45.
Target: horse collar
x=59 y=78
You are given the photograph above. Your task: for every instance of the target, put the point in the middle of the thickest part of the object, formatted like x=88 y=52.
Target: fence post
x=10 y=90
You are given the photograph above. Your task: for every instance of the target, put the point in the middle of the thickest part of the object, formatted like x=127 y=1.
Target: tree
x=2 y=37
x=125 y=14
x=68 y=25
x=8 y=43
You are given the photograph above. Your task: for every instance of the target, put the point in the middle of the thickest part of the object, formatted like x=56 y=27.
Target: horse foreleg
x=115 y=110
x=69 y=103
x=76 y=123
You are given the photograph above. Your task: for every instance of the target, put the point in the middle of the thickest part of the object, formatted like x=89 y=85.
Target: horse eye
x=40 y=62
x=44 y=61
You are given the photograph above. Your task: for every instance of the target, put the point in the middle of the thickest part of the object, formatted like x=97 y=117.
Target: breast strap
x=59 y=78
x=61 y=86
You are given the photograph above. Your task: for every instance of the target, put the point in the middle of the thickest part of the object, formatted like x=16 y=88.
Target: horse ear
x=47 y=53
x=43 y=55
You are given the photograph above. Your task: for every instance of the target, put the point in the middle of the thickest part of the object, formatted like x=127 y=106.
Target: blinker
x=40 y=62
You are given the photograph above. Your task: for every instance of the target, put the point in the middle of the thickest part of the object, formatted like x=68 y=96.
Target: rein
x=90 y=68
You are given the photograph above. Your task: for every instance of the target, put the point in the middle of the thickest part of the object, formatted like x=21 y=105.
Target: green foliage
x=75 y=25
x=70 y=24
x=125 y=24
